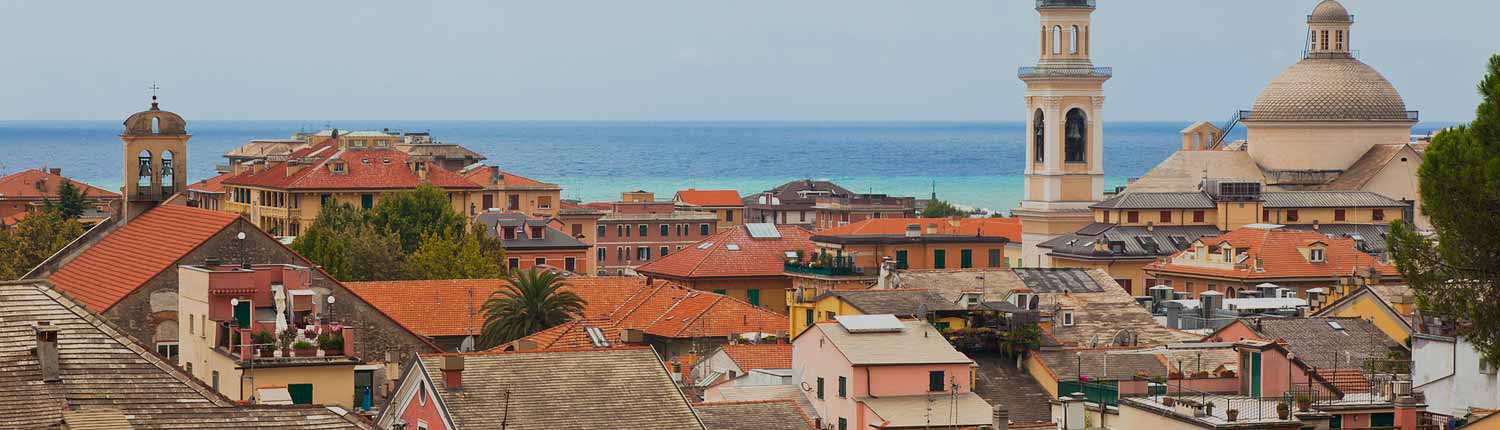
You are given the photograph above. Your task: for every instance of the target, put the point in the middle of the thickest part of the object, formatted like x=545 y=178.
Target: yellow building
x=509 y=192
x=907 y=303
x=725 y=204
x=1065 y=151
x=220 y=310
x=1390 y=307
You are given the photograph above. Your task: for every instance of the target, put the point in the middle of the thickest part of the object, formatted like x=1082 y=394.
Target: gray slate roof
x=102 y=369
x=754 y=415
x=896 y=302
x=562 y=390
x=1065 y=364
x=1080 y=244
x=1158 y=200
x=1321 y=345
x=552 y=239
x=788 y=192
x=1328 y=199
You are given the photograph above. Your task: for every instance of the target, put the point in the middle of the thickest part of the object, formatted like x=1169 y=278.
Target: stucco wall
x=1466 y=388
x=1318 y=146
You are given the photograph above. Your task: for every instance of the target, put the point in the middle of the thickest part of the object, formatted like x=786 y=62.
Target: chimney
x=524 y=345
x=1073 y=412
x=348 y=334
x=55 y=171
x=913 y=230
x=46 y=351
x=1001 y=419
x=633 y=336
x=1315 y=225
x=1150 y=226
x=453 y=372
x=887 y=270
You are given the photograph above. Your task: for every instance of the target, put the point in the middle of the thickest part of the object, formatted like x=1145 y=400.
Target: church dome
x=155 y=121
x=1330 y=11
x=1329 y=89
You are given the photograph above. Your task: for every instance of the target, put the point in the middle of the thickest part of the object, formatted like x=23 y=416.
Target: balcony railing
x=1083 y=72
x=816 y=269
x=1065 y=3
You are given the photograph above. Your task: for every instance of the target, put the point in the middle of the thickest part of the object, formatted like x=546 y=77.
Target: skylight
x=596 y=336
x=705 y=245
x=1335 y=325
x=732 y=247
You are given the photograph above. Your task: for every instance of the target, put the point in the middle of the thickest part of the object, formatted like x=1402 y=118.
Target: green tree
x=327 y=241
x=941 y=209
x=375 y=256
x=413 y=215
x=33 y=240
x=532 y=301
x=1456 y=271
x=71 y=200
x=458 y=258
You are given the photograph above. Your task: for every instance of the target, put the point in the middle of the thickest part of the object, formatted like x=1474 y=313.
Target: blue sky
x=1174 y=60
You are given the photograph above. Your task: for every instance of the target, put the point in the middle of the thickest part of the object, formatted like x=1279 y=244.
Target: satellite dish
x=467 y=345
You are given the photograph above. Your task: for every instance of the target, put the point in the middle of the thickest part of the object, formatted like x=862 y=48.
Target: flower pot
x=328 y=352
x=1168 y=401
x=1303 y=406
x=1232 y=414
x=1283 y=411
x=305 y=352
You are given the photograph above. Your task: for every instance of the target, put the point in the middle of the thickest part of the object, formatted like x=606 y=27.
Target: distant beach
x=975 y=164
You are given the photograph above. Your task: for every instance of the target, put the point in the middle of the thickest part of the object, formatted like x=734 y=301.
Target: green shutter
x=302 y=394
x=242 y=314
x=938 y=259
x=935 y=380
x=901 y=259
x=994 y=258
x=1255 y=374
x=966 y=259
x=1383 y=419
x=843 y=390
x=721 y=292
x=753 y=296
x=820 y=387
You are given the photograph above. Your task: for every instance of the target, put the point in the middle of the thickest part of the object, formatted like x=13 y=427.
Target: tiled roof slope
x=136 y=252
x=713 y=258
x=669 y=311
x=211 y=185
x=753 y=415
x=760 y=356
x=711 y=198
x=920 y=344
x=1278 y=250
x=485 y=175
x=1328 y=199
x=1009 y=228
x=1323 y=346
x=902 y=302
x=102 y=370
x=563 y=390
x=24 y=185
x=1100 y=364
x=377 y=169
x=452 y=307
x=1367 y=166
x=1158 y=200
x=1329 y=89
x=1081 y=244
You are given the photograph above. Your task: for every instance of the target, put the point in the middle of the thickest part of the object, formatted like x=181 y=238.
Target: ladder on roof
x=1225 y=130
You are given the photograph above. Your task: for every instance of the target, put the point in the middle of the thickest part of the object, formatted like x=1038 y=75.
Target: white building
x=1448 y=371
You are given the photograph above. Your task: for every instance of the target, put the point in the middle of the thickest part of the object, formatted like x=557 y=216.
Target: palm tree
x=531 y=302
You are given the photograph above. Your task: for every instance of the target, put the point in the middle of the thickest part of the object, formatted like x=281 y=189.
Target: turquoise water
x=977 y=164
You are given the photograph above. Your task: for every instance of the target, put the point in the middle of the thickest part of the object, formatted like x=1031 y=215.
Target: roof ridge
x=698 y=317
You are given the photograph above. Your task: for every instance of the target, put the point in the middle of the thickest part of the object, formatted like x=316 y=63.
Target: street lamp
x=330 y=308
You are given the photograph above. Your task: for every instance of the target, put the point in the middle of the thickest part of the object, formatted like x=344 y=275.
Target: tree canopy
x=71 y=200
x=532 y=301
x=942 y=209
x=1455 y=271
x=32 y=240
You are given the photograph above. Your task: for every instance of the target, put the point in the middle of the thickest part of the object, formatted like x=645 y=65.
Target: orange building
x=24 y=192
x=745 y=262
x=1256 y=254
x=726 y=204
x=535 y=243
x=918 y=243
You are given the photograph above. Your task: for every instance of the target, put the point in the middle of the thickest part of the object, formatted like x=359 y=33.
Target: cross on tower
x=153 y=89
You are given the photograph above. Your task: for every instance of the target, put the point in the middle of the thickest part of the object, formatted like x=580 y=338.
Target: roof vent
x=913 y=230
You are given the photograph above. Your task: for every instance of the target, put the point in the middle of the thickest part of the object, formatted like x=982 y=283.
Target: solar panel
x=763 y=231
x=870 y=323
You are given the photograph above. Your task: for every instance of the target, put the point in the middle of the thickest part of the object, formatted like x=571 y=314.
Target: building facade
x=511 y=193
x=25 y=192
x=838 y=211
x=635 y=233
x=724 y=203
x=534 y=243
x=791 y=203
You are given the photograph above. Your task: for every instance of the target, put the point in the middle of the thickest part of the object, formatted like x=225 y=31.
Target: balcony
x=1040 y=4
x=816 y=269
x=1065 y=72
x=260 y=343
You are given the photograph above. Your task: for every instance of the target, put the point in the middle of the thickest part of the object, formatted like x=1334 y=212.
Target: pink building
x=638 y=232
x=875 y=371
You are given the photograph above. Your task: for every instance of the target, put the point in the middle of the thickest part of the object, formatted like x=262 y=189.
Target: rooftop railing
x=1065 y=3
x=1088 y=72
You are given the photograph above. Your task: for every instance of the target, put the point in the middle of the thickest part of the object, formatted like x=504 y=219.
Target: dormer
x=1315 y=252
x=1022 y=298
x=538 y=232
x=338 y=167
x=507 y=232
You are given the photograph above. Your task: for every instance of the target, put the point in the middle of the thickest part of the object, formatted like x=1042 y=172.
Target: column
x=1096 y=136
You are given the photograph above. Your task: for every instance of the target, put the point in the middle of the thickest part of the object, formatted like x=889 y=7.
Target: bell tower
x=1064 y=134
x=155 y=160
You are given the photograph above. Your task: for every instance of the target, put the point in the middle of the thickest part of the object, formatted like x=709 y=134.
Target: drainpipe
x=867 y=384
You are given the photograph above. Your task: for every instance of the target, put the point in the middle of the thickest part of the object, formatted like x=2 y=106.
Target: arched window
x=167 y=171
x=155 y=125
x=1057 y=39
x=1338 y=40
x=1324 y=40
x=1039 y=139
x=1076 y=133
x=1073 y=37
x=143 y=168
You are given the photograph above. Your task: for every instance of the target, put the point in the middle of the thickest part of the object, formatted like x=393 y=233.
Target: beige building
x=155 y=143
x=1065 y=150
x=509 y=192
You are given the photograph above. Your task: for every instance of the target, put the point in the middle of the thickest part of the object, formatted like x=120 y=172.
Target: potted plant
x=1232 y=414
x=284 y=340
x=1208 y=408
x=1226 y=374
x=1283 y=410
x=265 y=343
x=331 y=345
x=1174 y=375
x=1201 y=374
x=1304 y=402
x=304 y=348
x=1141 y=374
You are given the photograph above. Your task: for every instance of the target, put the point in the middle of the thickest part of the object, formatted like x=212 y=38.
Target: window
x=1075 y=134
x=1197 y=216
x=1125 y=284
x=577 y=230
x=939 y=258
x=994 y=258
x=540 y=261
x=1039 y=137
x=809 y=314
x=935 y=381
x=1338 y=40
x=167 y=350
x=192 y=321
x=513 y=202
x=645 y=229
x=703 y=229
x=513 y=263
x=1067 y=318
x=1166 y=216
x=843 y=424
x=1106 y=217
x=621 y=231
x=215 y=380
x=1132 y=217
x=1315 y=255
x=966 y=259
x=753 y=296
x=664 y=230
x=600 y=232
x=729 y=215
x=366 y=201
x=601 y=254
x=642 y=253
x=1265 y=215
x=620 y=253
x=843 y=387
x=1338 y=214
x=544 y=202
x=820 y=388
x=828 y=315
x=664 y=250
x=1378 y=215
x=1291 y=215
x=1324 y=39
x=302 y=394
x=901 y=259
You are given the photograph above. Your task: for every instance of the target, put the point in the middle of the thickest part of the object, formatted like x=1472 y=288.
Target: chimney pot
x=453 y=372
x=1001 y=419
x=55 y=171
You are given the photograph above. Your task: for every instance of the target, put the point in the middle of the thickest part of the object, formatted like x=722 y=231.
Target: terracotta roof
x=486 y=176
x=713 y=258
x=713 y=198
x=364 y=169
x=1278 y=252
x=760 y=356
x=103 y=371
x=906 y=302
x=669 y=311
x=562 y=390
x=25 y=185
x=211 y=185
x=136 y=252
x=754 y=415
x=444 y=308
x=1009 y=228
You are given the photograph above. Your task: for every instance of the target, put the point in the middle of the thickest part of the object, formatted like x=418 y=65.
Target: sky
x=1174 y=60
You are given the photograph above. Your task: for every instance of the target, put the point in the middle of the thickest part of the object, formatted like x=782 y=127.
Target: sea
x=974 y=164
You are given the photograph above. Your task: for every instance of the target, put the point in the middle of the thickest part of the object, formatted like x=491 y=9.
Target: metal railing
x=1102 y=72
x=1065 y=3
x=1093 y=392
x=843 y=268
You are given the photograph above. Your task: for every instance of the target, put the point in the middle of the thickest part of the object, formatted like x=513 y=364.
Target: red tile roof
x=670 y=311
x=760 y=356
x=712 y=258
x=444 y=308
x=24 y=185
x=483 y=176
x=1278 y=252
x=365 y=169
x=712 y=198
x=136 y=252
x=211 y=185
x=1009 y=228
